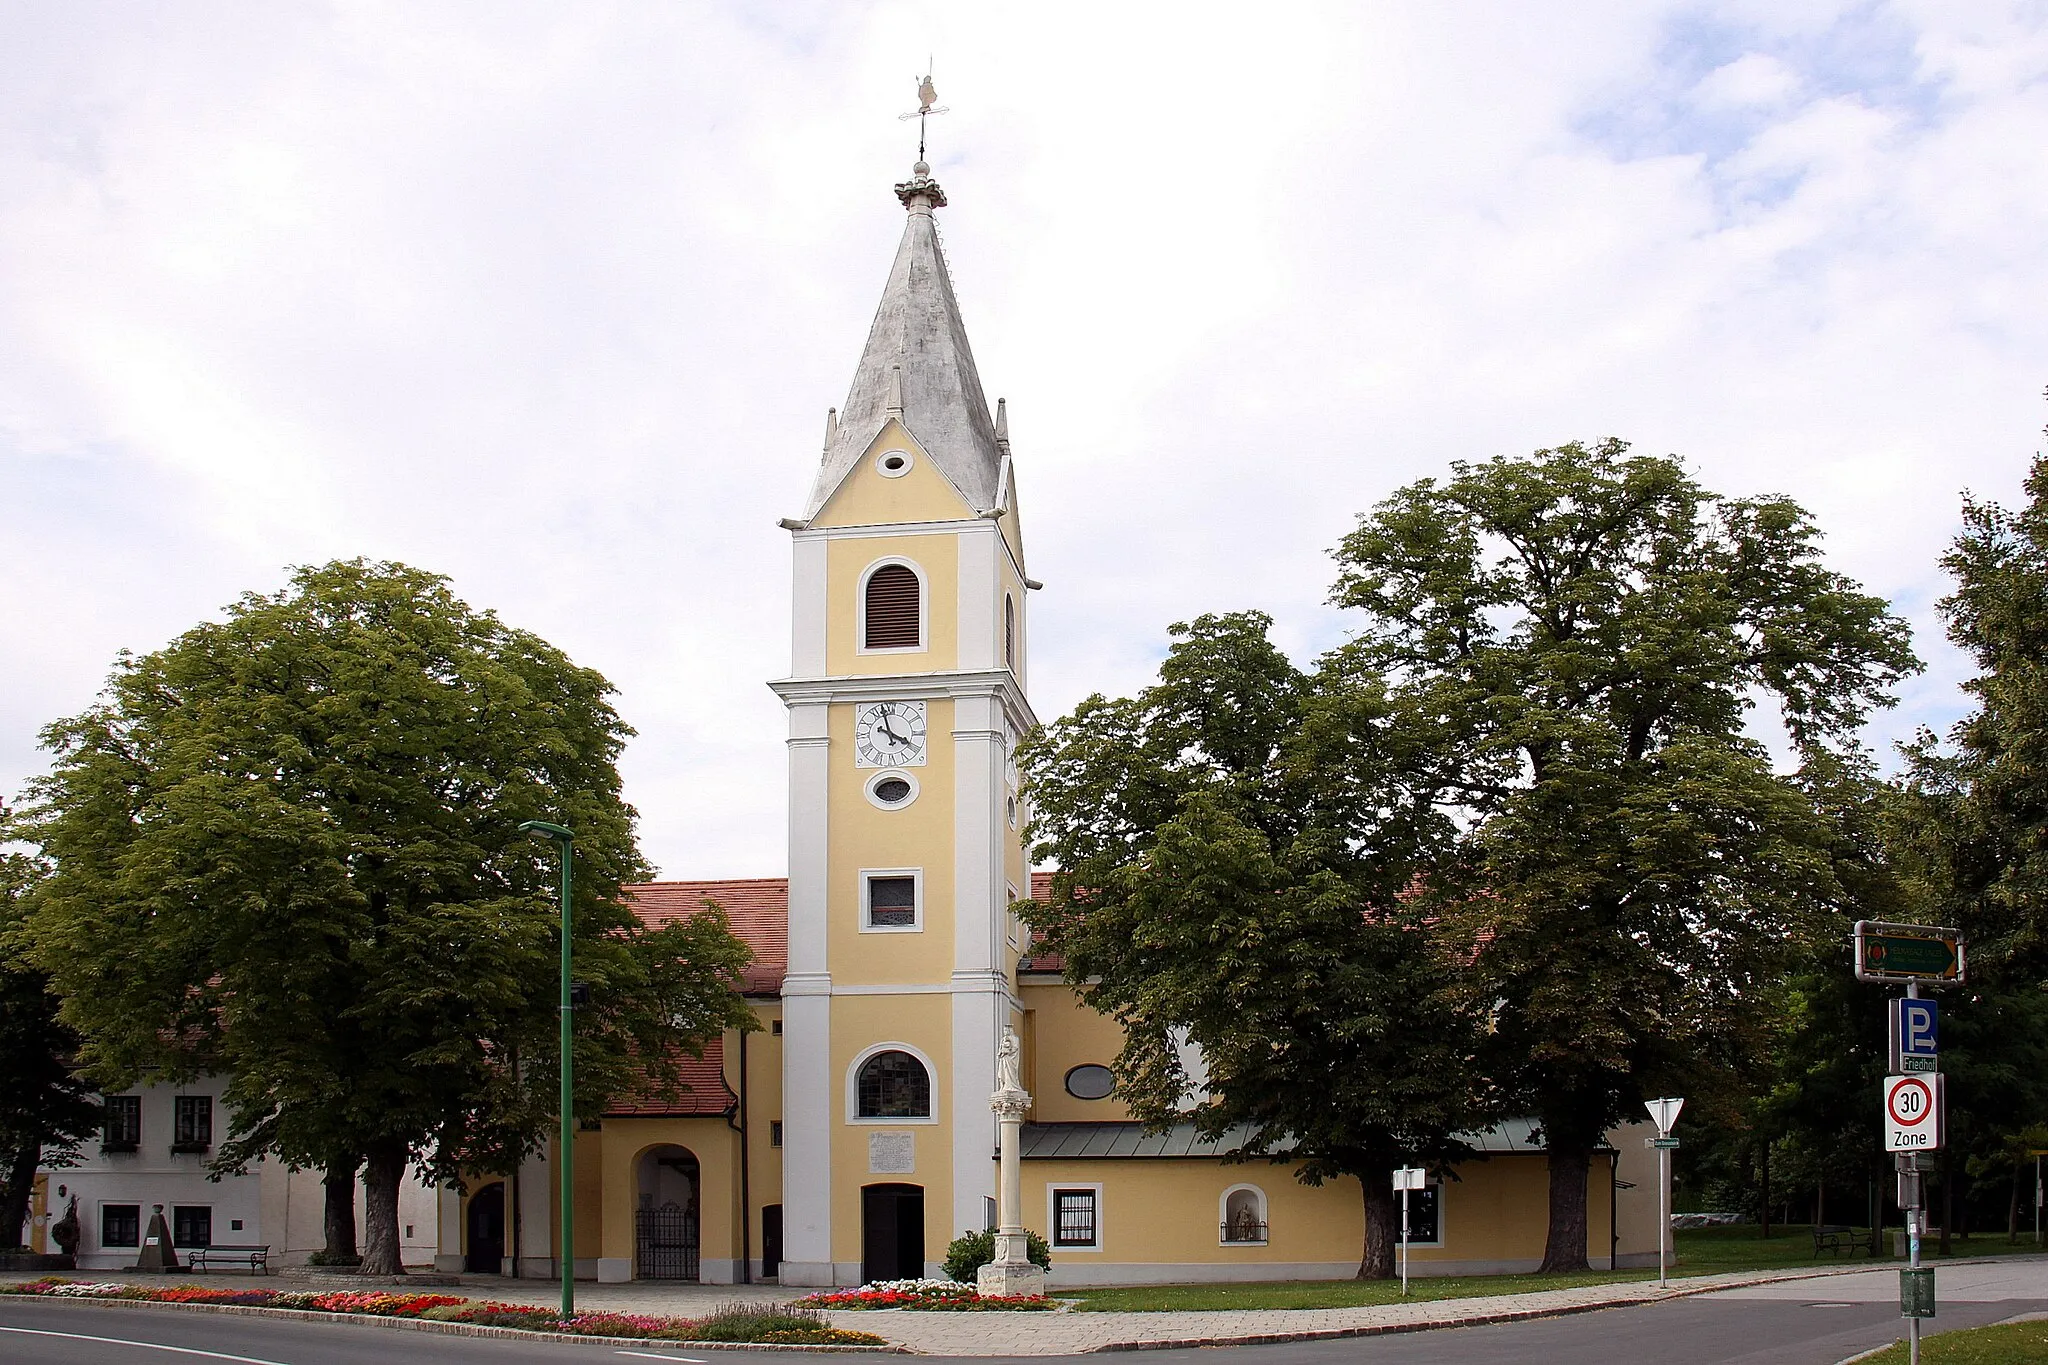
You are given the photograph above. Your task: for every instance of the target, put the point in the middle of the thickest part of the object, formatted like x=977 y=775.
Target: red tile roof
x=758 y=908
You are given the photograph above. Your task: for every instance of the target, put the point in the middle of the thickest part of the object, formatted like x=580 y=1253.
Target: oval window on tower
x=1090 y=1082
x=891 y=615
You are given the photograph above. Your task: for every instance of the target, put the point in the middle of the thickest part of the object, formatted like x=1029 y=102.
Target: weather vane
x=926 y=98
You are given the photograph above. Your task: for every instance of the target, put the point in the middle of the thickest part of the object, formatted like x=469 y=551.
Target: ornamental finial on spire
x=921 y=183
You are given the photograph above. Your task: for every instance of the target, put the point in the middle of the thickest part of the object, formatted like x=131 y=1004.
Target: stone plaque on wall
x=892 y=1153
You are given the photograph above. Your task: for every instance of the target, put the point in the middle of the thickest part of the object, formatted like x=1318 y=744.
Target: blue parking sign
x=1916 y=1035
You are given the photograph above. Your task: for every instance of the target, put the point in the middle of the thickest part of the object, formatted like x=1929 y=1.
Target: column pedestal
x=1012 y=1274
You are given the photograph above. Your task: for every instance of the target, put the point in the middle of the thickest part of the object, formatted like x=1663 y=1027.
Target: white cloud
x=553 y=300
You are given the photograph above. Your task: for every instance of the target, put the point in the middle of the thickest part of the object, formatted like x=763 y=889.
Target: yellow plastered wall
x=1064 y=1033
x=937 y=558
x=1155 y=1210
x=859 y=1022
x=588 y=1167
x=866 y=498
x=625 y=1141
x=764 y=1106
x=919 y=836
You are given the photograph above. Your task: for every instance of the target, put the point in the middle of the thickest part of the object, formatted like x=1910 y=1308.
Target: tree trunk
x=2012 y=1210
x=339 y=1225
x=1764 y=1161
x=1565 y=1248
x=14 y=1198
x=383 y=1170
x=1376 y=1262
x=1948 y=1206
x=1820 y=1200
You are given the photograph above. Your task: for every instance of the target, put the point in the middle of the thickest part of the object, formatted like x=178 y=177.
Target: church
x=850 y=1137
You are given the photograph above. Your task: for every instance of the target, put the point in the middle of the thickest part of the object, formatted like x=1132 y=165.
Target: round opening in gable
x=893 y=464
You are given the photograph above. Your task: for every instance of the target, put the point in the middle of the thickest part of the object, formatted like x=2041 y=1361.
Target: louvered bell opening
x=892 y=608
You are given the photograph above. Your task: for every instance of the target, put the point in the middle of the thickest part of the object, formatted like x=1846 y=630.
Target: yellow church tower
x=906 y=701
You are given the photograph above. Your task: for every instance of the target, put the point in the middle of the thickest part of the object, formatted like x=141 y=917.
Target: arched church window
x=1009 y=632
x=891 y=614
x=893 y=1085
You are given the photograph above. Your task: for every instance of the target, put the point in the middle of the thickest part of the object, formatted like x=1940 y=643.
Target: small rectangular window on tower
x=775 y=1132
x=891 y=901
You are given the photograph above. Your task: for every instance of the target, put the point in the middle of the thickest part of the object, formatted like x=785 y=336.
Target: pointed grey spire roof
x=917 y=357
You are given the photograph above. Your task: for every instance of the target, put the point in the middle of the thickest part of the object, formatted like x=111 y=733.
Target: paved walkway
x=1068 y=1333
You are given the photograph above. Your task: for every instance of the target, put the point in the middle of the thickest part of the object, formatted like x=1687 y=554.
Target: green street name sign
x=1908 y=952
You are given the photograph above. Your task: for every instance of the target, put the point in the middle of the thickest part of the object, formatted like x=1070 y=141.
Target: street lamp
x=566 y=840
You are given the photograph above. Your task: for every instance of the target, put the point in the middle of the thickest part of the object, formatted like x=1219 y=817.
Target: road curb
x=459 y=1329
x=1374 y=1329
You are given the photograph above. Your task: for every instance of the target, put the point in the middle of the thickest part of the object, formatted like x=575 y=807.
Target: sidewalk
x=1069 y=1333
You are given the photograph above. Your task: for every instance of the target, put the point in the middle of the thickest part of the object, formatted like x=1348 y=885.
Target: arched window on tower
x=893 y=1085
x=1009 y=632
x=891 y=612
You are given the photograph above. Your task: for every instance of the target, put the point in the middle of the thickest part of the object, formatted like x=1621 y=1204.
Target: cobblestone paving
x=1062 y=1333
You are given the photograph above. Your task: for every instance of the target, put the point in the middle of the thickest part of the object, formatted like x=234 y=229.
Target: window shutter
x=892 y=608
x=1010 y=632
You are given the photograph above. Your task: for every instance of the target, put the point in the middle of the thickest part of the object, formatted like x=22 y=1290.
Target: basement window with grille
x=892 y=609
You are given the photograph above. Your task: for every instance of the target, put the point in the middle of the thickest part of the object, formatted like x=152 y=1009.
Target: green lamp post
x=566 y=1161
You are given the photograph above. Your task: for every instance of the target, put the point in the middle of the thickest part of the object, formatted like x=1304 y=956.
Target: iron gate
x=667 y=1242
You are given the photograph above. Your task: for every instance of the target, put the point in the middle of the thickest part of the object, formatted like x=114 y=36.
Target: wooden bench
x=203 y=1259
x=1834 y=1239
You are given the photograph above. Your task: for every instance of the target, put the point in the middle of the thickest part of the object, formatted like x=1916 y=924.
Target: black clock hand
x=894 y=738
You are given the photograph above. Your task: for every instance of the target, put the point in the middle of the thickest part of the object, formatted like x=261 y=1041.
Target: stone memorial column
x=1012 y=1273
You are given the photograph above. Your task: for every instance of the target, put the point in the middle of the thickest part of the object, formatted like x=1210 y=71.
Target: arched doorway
x=665 y=1226
x=891 y=1232
x=485 y=1221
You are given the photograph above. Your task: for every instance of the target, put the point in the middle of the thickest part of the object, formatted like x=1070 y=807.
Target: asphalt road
x=1777 y=1325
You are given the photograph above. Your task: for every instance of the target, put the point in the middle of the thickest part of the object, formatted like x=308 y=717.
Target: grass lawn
x=2008 y=1343
x=1701 y=1251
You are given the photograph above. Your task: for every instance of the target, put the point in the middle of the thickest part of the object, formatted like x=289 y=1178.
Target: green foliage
x=45 y=1109
x=1234 y=848
x=973 y=1249
x=1578 y=638
x=762 y=1322
x=284 y=848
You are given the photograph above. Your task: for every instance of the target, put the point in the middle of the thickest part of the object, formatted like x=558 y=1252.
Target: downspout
x=746 y=1267
x=1613 y=1213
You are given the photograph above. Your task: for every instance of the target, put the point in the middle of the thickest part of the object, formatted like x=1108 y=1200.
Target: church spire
x=918 y=368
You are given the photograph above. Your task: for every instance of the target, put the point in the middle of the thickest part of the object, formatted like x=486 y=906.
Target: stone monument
x=1011 y=1274
x=157 y=1252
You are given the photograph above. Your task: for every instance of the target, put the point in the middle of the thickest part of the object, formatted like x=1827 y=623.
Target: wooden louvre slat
x=892 y=608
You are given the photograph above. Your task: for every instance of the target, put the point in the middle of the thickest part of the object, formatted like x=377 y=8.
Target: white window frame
x=924 y=609
x=882 y=775
x=1013 y=930
x=882 y=463
x=1442 y=1215
x=1053 y=1190
x=1265 y=1215
x=868 y=874
x=852 y=1113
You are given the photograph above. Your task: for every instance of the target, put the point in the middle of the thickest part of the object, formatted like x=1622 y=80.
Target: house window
x=193 y=1131
x=775 y=1028
x=1009 y=632
x=891 y=900
x=892 y=609
x=893 y=1085
x=192 y=1225
x=1244 y=1216
x=1077 y=1218
x=1426 y=1215
x=121 y=1129
x=120 y=1225
x=775 y=1132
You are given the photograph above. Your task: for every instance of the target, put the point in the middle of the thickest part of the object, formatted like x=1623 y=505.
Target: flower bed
x=757 y=1323
x=924 y=1296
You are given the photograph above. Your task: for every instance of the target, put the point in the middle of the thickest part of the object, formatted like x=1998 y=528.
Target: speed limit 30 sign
x=1913 y=1112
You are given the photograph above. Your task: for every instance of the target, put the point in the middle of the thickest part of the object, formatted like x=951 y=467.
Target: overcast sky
x=552 y=299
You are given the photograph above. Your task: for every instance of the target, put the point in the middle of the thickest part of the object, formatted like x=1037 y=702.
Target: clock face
x=888 y=734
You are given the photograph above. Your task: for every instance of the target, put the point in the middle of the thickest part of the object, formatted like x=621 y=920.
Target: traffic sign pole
x=1664 y=1113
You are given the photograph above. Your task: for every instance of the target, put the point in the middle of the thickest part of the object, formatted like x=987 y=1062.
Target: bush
x=323 y=1258
x=971 y=1251
x=771 y=1324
